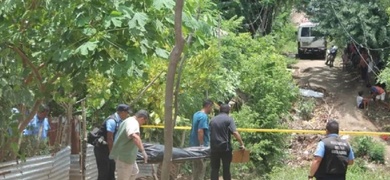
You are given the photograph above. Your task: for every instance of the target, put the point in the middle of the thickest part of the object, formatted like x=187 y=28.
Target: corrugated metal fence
x=91 y=173
x=61 y=166
x=40 y=167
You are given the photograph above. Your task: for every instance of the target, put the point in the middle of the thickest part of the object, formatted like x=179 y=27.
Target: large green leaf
x=159 y=4
x=87 y=47
x=139 y=20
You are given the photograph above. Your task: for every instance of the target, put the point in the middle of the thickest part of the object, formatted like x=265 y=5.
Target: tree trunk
x=174 y=60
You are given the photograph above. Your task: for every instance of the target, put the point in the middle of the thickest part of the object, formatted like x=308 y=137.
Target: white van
x=310 y=41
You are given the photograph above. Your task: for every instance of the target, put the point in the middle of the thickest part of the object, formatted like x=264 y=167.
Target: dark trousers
x=106 y=166
x=322 y=178
x=215 y=160
x=332 y=177
x=364 y=73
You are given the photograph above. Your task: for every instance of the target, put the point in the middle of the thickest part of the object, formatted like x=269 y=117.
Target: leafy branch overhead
x=364 y=21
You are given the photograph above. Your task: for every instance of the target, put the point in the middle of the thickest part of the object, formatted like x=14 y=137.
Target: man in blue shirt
x=106 y=166
x=200 y=136
x=332 y=157
x=39 y=125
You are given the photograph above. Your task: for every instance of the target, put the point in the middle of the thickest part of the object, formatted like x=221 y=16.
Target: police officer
x=332 y=157
x=106 y=166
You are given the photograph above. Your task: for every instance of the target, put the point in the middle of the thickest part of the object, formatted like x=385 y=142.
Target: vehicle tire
x=300 y=54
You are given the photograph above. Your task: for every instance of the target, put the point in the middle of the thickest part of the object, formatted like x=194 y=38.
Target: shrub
x=306 y=107
x=358 y=166
x=377 y=153
x=263 y=78
x=366 y=147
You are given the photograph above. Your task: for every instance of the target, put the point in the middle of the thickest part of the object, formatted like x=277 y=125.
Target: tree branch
x=28 y=79
x=27 y=61
x=24 y=123
x=145 y=89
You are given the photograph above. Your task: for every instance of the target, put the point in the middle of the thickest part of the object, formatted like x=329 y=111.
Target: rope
x=290 y=131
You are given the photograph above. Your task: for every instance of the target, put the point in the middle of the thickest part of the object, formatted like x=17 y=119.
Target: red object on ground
x=385 y=137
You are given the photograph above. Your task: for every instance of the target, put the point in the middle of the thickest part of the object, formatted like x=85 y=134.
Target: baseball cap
x=123 y=107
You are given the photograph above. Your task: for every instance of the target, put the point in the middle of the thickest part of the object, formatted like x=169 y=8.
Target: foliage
x=366 y=147
x=306 y=107
x=259 y=17
x=353 y=173
x=109 y=52
x=364 y=21
x=61 y=52
x=32 y=146
x=384 y=77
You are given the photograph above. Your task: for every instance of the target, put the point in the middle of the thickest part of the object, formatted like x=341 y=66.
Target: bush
x=366 y=147
x=306 y=107
x=266 y=86
x=377 y=153
x=358 y=166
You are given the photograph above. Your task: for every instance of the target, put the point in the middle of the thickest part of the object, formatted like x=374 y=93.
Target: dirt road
x=344 y=87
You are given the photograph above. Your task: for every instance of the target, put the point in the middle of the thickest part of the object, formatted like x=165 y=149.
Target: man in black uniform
x=106 y=166
x=221 y=128
x=332 y=157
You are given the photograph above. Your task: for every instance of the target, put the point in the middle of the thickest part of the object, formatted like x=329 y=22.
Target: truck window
x=315 y=32
x=305 y=32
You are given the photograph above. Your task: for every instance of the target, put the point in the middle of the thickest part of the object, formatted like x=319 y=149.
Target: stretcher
x=155 y=154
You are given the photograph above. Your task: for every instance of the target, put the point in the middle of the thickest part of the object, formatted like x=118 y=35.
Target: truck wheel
x=300 y=55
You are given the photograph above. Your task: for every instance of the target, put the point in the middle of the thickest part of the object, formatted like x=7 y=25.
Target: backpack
x=98 y=136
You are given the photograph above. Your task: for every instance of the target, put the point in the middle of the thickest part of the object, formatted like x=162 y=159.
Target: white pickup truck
x=310 y=41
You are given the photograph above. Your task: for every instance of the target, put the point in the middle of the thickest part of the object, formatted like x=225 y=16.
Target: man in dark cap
x=332 y=157
x=222 y=127
x=106 y=166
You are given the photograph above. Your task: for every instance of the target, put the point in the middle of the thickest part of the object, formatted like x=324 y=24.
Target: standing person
x=363 y=65
x=127 y=144
x=106 y=166
x=200 y=137
x=39 y=125
x=221 y=128
x=332 y=157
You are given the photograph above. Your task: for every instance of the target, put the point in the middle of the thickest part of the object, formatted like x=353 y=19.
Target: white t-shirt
x=132 y=126
x=359 y=100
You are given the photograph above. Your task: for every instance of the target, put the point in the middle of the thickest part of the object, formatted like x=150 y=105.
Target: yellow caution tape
x=359 y=133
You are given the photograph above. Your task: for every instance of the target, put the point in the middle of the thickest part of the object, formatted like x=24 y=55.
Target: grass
x=354 y=172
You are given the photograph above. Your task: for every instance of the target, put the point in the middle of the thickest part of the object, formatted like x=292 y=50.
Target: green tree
x=94 y=49
x=365 y=22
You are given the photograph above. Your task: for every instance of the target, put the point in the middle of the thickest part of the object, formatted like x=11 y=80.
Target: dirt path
x=344 y=87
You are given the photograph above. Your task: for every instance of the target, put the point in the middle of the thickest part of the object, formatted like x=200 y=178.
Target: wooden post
x=83 y=139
